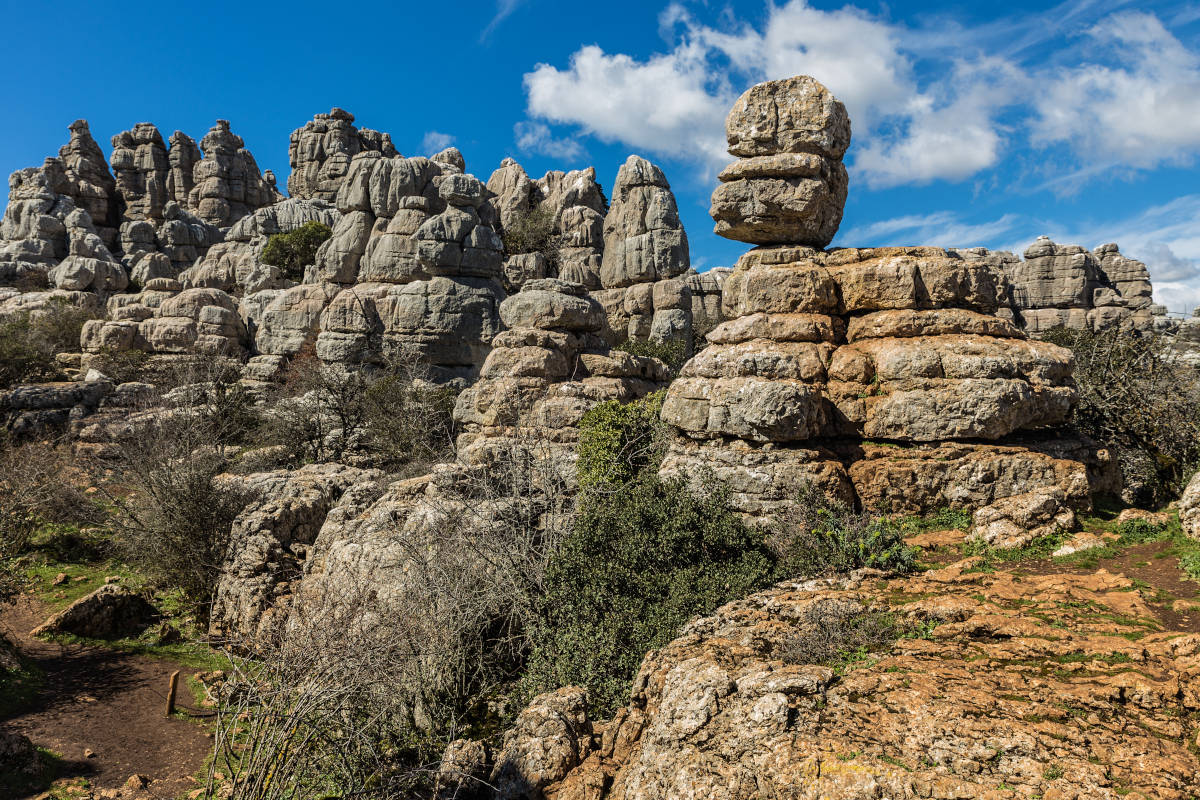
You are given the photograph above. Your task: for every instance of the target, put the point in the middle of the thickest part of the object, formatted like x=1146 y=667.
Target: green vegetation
x=533 y=231
x=672 y=352
x=819 y=537
x=1137 y=398
x=619 y=441
x=296 y=249
x=29 y=342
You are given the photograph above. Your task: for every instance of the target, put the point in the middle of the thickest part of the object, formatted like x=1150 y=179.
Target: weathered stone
x=320 y=153
x=110 y=612
x=1189 y=508
x=644 y=240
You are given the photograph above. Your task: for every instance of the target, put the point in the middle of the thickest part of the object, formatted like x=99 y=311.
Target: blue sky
x=974 y=123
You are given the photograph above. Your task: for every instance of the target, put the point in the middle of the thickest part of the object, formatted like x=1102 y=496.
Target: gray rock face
x=1189 y=508
x=33 y=233
x=110 y=612
x=227 y=182
x=575 y=206
x=1066 y=285
x=419 y=266
x=790 y=185
x=234 y=264
x=644 y=240
x=320 y=154
x=269 y=541
x=142 y=168
x=91 y=185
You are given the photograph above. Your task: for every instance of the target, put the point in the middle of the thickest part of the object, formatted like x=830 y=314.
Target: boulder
x=110 y=612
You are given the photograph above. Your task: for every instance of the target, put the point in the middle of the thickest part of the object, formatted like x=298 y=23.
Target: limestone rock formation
x=1189 y=508
x=142 y=169
x=705 y=288
x=91 y=185
x=789 y=185
x=1015 y=688
x=110 y=612
x=269 y=541
x=824 y=349
x=419 y=265
x=163 y=319
x=321 y=151
x=573 y=205
x=235 y=266
x=1067 y=285
x=645 y=253
x=547 y=369
x=824 y=356
x=227 y=182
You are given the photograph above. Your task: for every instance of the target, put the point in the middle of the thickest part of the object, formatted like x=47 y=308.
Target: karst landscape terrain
x=389 y=481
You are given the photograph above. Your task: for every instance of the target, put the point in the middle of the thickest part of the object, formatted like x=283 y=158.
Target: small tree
x=296 y=249
x=533 y=231
x=1139 y=399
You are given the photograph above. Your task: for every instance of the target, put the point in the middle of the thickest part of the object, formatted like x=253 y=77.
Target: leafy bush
x=640 y=562
x=672 y=352
x=30 y=340
x=296 y=249
x=618 y=441
x=643 y=557
x=1137 y=398
x=533 y=231
x=821 y=537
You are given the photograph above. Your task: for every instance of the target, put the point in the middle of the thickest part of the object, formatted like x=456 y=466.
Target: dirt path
x=109 y=702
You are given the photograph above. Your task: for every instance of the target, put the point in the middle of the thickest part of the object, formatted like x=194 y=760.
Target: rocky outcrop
x=645 y=253
x=1189 y=508
x=110 y=612
x=826 y=355
x=235 y=266
x=789 y=184
x=1023 y=683
x=320 y=154
x=162 y=318
x=419 y=263
x=572 y=207
x=269 y=542
x=227 y=182
x=1067 y=285
x=90 y=185
x=705 y=288
x=546 y=370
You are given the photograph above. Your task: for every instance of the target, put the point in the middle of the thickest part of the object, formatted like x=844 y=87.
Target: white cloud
x=662 y=105
x=535 y=137
x=939 y=102
x=436 y=141
x=940 y=229
x=1141 y=112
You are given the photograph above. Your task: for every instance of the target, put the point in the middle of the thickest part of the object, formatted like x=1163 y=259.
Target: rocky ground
x=978 y=678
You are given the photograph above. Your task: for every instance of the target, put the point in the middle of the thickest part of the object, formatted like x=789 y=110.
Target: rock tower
x=879 y=376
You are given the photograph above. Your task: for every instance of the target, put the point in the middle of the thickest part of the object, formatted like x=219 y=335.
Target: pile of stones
x=879 y=376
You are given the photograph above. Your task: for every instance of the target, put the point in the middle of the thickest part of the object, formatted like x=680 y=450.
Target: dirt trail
x=109 y=702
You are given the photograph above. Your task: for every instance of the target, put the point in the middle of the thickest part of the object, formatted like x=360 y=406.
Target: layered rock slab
x=1015 y=687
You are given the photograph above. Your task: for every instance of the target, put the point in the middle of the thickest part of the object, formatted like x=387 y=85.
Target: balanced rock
x=789 y=186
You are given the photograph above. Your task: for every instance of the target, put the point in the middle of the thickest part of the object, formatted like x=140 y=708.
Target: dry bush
x=385 y=660
x=1138 y=398
x=835 y=632
x=174 y=517
x=30 y=340
x=389 y=416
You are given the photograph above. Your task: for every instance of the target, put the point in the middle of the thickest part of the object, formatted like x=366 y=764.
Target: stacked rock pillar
x=880 y=377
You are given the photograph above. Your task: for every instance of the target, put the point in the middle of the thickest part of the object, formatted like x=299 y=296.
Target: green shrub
x=640 y=562
x=618 y=441
x=533 y=231
x=296 y=249
x=672 y=352
x=821 y=537
x=1138 y=399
